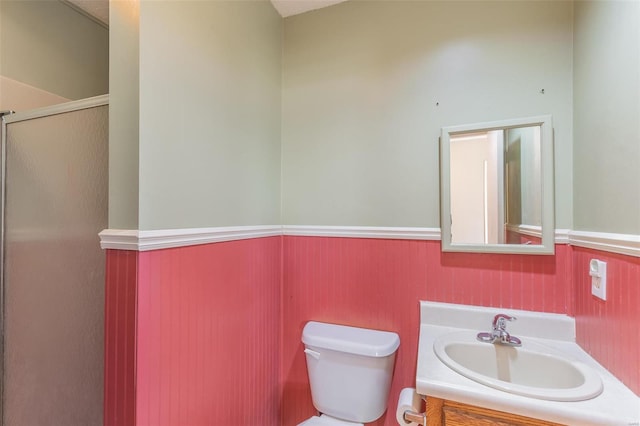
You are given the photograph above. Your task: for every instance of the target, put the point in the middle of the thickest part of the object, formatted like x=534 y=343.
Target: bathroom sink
x=533 y=369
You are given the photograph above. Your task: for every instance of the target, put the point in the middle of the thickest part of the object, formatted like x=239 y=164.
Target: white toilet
x=350 y=372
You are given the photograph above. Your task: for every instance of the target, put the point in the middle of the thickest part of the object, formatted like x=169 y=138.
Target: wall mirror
x=497 y=190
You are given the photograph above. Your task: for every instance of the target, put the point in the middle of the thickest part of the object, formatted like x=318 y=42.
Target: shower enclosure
x=54 y=204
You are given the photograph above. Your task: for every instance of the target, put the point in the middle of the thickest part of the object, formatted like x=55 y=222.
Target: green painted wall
x=50 y=46
x=607 y=116
x=367 y=86
x=210 y=76
x=365 y=89
x=124 y=114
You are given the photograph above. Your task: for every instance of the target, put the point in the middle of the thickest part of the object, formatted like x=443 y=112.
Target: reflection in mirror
x=523 y=187
x=497 y=187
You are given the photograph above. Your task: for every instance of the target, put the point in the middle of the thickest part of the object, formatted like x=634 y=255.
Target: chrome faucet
x=499 y=332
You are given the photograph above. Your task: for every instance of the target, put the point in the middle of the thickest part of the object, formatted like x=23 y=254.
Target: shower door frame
x=96 y=101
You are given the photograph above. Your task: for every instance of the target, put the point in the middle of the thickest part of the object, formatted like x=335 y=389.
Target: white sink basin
x=533 y=370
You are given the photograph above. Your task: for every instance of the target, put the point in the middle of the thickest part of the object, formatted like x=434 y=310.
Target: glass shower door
x=53 y=272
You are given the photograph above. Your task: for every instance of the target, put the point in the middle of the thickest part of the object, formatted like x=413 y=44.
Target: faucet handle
x=500 y=321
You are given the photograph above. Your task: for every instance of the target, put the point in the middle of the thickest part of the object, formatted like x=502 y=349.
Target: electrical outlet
x=598 y=272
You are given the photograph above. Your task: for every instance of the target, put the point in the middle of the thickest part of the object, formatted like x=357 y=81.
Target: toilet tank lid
x=354 y=340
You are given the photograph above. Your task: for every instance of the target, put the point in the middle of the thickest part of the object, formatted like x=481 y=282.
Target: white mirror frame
x=547 y=190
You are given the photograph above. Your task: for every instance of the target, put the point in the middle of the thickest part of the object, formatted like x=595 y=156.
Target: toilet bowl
x=350 y=371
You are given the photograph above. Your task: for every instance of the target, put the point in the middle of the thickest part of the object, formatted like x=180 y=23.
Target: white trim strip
x=170 y=238
x=400 y=233
x=530 y=230
x=93 y=102
x=614 y=243
x=562 y=236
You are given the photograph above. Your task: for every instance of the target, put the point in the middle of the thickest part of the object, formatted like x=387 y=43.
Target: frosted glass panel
x=56 y=203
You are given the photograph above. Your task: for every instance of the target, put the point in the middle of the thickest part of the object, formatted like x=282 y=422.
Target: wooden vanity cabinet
x=442 y=412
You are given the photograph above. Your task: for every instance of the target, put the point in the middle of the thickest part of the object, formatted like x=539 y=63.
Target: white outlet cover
x=598 y=272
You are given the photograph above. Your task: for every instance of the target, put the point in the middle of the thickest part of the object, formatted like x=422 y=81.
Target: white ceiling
x=294 y=7
x=99 y=9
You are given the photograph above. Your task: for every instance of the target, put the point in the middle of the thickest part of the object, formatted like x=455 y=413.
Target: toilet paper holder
x=413 y=417
x=408 y=411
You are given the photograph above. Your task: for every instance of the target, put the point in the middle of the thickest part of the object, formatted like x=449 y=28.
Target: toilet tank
x=350 y=369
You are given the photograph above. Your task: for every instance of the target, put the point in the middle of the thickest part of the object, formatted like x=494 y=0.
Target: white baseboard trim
x=615 y=243
x=170 y=238
x=399 y=233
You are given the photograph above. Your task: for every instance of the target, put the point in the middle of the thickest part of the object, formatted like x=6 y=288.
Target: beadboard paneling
x=120 y=338
x=609 y=330
x=359 y=282
x=528 y=282
x=377 y=284
x=209 y=334
x=219 y=325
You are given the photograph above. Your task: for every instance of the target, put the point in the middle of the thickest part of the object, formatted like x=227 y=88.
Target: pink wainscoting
x=531 y=282
x=120 y=338
x=364 y=283
x=207 y=335
x=210 y=334
x=610 y=331
x=378 y=283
